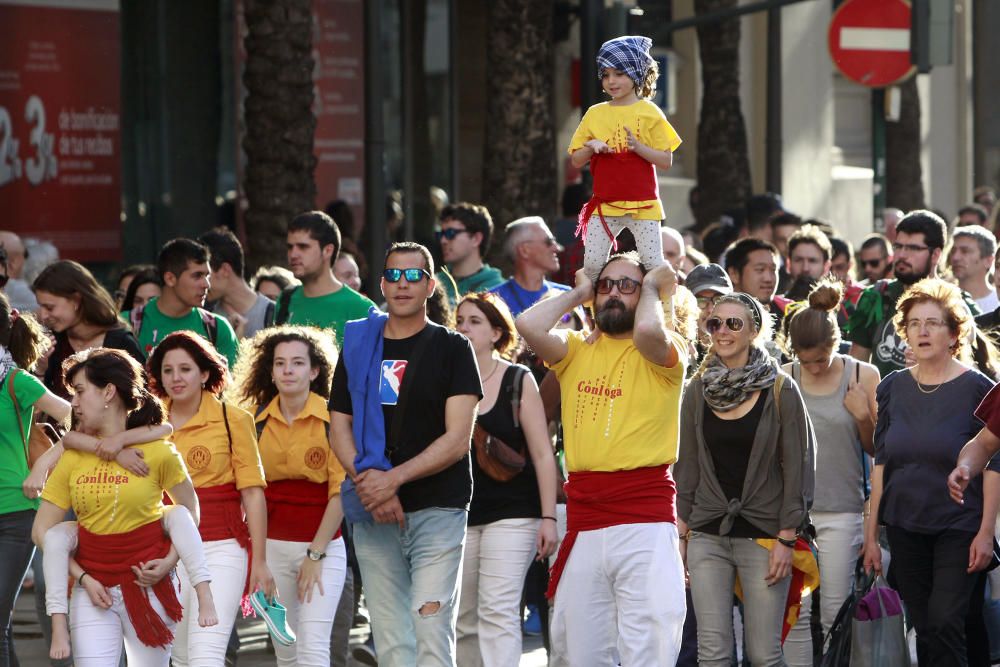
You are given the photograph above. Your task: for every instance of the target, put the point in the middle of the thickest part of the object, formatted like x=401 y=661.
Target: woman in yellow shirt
x=119 y=516
x=286 y=373
x=219 y=446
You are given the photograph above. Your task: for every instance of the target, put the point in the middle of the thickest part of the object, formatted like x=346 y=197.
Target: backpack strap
x=779 y=383
x=283 y=305
x=211 y=325
x=17 y=409
x=262 y=423
x=269 y=313
x=135 y=319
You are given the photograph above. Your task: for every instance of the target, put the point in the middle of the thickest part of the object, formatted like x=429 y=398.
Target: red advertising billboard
x=60 y=102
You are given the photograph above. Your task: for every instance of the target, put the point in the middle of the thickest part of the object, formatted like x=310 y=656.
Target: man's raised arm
x=535 y=324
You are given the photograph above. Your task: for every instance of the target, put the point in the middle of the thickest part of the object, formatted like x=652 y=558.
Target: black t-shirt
x=115 y=339
x=446 y=368
x=517 y=498
x=729 y=443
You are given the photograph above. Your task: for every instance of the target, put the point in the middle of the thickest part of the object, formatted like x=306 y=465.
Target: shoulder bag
x=495 y=457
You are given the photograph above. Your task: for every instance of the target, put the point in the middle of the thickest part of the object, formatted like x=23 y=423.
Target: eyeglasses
x=411 y=275
x=714 y=324
x=706 y=301
x=625 y=285
x=873 y=263
x=932 y=324
x=909 y=247
x=449 y=233
x=548 y=241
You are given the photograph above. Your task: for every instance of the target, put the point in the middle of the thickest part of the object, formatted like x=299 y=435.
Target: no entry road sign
x=869 y=41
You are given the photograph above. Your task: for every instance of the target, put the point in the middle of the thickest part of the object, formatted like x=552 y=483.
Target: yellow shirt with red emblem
x=107 y=498
x=211 y=458
x=619 y=410
x=300 y=450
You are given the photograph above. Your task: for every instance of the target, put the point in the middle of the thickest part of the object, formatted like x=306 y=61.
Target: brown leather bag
x=495 y=457
x=41 y=437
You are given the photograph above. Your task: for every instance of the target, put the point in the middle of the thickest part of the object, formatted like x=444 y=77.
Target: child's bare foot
x=207 y=616
x=59 y=650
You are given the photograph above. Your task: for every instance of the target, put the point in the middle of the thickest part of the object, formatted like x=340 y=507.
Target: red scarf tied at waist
x=596 y=500
x=108 y=559
x=295 y=509
x=618 y=177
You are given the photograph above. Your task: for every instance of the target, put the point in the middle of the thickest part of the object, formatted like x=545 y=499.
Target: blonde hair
x=647 y=86
x=686 y=313
x=947 y=297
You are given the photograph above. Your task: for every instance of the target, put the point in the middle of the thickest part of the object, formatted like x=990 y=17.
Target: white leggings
x=194 y=645
x=61 y=540
x=597 y=245
x=310 y=621
x=97 y=633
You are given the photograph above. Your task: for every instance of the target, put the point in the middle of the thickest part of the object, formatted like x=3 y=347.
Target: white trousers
x=61 y=540
x=97 y=633
x=621 y=596
x=838 y=542
x=496 y=560
x=597 y=245
x=194 y=645
x=310 y=621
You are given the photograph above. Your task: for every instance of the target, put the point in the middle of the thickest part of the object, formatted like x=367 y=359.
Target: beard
x=614 y=318
x=911 y=275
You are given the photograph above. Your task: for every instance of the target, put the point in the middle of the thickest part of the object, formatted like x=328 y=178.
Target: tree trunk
x=279 y=123
x=723 y=162
x=519 y=169
x=903 y=174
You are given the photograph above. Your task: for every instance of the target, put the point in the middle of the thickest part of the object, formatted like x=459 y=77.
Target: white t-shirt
x=988 y=303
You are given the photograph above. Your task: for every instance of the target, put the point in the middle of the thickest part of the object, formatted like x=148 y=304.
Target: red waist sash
x=295 y=508
x=222 y=516
x=618 y=177
x=108 y=559
x=596 y=500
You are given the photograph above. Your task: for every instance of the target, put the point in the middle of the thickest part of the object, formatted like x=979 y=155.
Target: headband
x=753 y=305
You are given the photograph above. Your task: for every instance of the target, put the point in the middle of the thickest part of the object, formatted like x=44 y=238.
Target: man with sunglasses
x=874 y=259
x=534 y=252
x=465 y=234
x=402 y=406
x=618 y=579
x=920 y=240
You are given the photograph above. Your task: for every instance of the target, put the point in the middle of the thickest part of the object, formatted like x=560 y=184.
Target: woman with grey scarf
x=744 y=480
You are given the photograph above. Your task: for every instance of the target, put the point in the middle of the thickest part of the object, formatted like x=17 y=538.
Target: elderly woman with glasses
x=744 y=476
x=926 y=414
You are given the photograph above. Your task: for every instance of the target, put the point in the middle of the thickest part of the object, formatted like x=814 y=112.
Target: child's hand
x=598 y=146
x=633 y=143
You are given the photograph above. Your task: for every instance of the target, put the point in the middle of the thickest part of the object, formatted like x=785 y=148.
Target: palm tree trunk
x=519 y=170
x=904 y=187
x=280 y=124
x=723 y=162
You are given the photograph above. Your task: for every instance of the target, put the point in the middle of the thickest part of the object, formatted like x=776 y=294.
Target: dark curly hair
x=200 y=350
x=254 y=372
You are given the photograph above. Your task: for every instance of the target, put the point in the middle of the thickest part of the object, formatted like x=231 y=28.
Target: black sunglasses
x=714 y=324
x=411 y=275
x=625 y=285
x=449 y=233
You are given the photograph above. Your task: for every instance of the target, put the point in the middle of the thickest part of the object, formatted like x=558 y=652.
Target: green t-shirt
x=13 y=462
x=328 y=311
x=156 y=326
x=483 y=280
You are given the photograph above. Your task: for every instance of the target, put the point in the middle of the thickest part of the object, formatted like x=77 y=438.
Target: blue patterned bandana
x=629 y=54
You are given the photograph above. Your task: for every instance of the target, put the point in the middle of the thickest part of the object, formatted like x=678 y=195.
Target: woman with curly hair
x=926 y=414
x=512 y=518
x=219 y=446
x=285 y=374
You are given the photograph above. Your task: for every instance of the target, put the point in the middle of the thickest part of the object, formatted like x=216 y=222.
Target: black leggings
x=16 y=550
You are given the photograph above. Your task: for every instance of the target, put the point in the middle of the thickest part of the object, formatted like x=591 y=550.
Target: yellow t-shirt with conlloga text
x=619 y=410
x=107 y=498
x=649 y=126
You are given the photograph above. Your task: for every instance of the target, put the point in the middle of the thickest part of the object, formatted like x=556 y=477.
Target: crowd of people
x=702 y=429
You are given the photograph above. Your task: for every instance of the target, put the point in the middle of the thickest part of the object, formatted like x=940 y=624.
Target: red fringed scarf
x=295 y=508
x=618 y=177
x=108 y=559
x=596 y=500
x=222 y=518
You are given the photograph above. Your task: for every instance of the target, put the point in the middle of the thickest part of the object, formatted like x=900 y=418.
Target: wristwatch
x=315 y=555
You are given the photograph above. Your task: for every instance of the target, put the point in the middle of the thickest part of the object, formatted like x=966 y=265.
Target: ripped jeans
x=411 y=581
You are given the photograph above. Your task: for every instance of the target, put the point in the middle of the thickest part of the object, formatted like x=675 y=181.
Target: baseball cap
x=708 y=277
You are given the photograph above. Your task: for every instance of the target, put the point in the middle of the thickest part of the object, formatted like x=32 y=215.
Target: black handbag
x=837 y=644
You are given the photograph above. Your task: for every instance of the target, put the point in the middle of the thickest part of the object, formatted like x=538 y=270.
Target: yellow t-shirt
x=300 y=450
x=647 y=123
x=204 y=444
x=619 y=411
x=107 y=498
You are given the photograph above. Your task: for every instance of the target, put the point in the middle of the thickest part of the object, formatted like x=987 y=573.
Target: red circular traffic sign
x=869 y=41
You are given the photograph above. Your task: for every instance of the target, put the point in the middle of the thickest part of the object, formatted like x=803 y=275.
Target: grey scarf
x=725 y=388
x=6 y=363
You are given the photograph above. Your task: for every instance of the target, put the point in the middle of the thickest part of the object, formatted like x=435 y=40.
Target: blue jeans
x=16 y=550
x=411 y=584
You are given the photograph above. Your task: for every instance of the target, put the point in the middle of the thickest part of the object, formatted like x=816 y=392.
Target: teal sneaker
x=273 y=613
